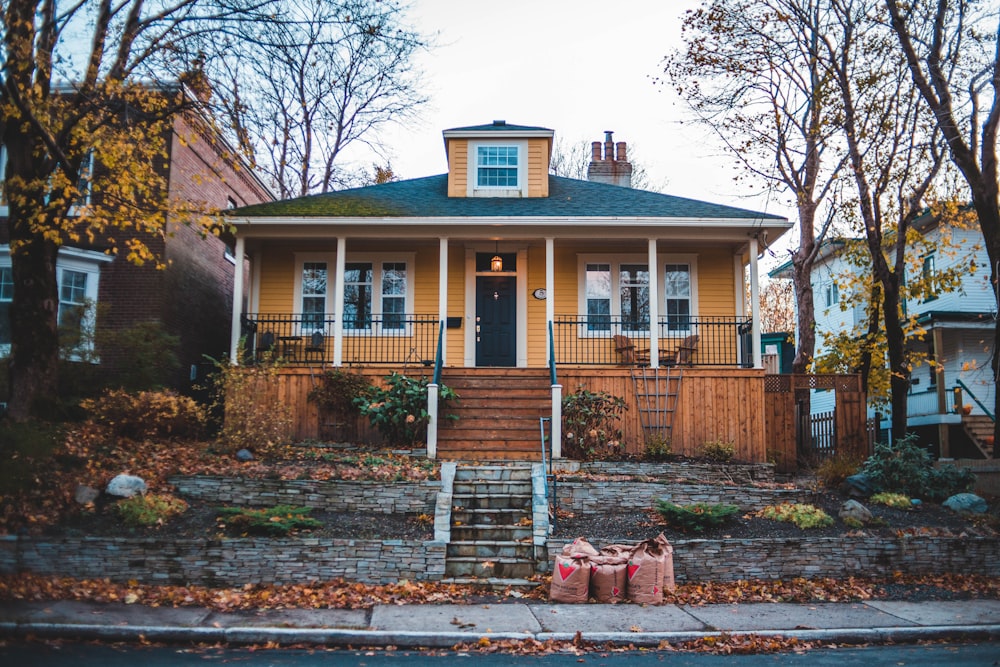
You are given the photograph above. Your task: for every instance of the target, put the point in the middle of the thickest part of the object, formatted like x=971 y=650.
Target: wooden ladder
x=656 y=393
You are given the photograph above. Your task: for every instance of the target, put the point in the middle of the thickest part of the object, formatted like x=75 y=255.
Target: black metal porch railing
x=722 y=341
x=308 y=338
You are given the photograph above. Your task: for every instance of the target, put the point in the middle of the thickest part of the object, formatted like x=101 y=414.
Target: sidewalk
x=447 y=625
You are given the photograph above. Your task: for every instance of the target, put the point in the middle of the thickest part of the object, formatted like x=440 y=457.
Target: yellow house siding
x=458 y=167
x=277 y=281
x=716 y=283
x=538 y=168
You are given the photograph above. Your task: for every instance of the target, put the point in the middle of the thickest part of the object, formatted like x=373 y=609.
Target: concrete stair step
x=493 y=473
x=492 y=549
x=494 y=583
x=477 y=531
x=492 y=517
x=492 y=488
x=466 y=501
x=463 y=566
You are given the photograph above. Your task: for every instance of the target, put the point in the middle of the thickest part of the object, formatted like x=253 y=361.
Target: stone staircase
x=498 y=525
x=498 y=411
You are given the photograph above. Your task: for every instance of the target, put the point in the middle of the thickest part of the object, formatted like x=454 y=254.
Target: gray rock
x=85 y=494
x=126 y=486
x=244 y=455
x=852 y=509
x=968 y=503
x=858 y=486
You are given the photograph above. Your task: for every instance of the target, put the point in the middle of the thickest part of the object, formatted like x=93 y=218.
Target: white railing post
x=556 y=426
x=432 y=423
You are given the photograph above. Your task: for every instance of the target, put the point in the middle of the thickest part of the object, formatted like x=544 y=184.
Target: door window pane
x=677 y=288
x=393 y=294
x=314 y=288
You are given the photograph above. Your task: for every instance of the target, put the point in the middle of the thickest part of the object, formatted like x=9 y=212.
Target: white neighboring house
x=959 y=331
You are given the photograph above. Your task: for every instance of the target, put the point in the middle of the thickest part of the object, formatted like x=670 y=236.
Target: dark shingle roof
x=428 y=197
x=499 y=126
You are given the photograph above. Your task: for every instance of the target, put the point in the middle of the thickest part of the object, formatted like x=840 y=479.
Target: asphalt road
x=95 y=655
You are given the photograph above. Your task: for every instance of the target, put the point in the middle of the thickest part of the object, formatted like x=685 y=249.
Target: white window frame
x=476 y=190
x=831 y=294
x=615 y=261
x=301 y=259
x=83 y=261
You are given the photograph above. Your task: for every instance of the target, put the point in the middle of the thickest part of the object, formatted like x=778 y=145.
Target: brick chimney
x=606 y=166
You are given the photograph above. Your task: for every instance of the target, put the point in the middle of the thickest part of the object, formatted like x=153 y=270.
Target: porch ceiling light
x=496 y=264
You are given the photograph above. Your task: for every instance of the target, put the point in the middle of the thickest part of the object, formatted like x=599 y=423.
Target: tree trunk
x=802 y=264
x=899 y=369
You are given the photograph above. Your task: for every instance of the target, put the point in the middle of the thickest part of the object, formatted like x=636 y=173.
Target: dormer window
x=496 y=167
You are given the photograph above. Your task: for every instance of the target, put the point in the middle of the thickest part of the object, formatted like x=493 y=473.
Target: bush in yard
x=697 y=517
x=907 y=468
x=590 y=424
x=255 y=417
x=337 y=390
x=278 y=521
x=658 y=447
x=147 y=414
x=895 y=500
x=803 y=516
x=399 y=410
x=832 y=472
x=149 y=510
x=718 y=451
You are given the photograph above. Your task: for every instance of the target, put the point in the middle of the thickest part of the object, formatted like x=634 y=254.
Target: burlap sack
x=579 y=547
x=665 y=553
x=570 y=580
x=608 y=578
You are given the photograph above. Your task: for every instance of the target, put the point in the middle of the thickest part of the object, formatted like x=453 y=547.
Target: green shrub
x=147 y=414
x=590 y=424
x=658 y=447
x=255 y=417
x=832 y=472
x=719 y=451
x=803 y=516
x=399 y=410
x=150 y=509
x=697 y=517
x=907 y=468
x=895 y=500
x=279 y=520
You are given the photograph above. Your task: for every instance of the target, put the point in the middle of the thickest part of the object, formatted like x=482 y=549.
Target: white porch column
x=338 y=302
x=758 y=361
x=550 y=287
x=234 y=335
x=432 y=422
x=443 y=296
x=654 y=307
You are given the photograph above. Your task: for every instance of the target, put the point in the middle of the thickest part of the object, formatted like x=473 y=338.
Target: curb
x=382 y=638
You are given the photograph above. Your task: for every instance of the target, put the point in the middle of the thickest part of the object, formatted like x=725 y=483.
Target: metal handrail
x=438 y=355
x=975 y=398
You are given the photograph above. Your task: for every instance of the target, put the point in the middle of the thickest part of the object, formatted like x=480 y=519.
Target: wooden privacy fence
x=794 y=433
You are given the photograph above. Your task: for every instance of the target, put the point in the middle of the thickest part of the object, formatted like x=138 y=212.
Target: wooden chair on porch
x=683 y=355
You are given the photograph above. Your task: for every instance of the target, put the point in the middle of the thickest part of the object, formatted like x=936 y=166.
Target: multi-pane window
x=72 y=306
x=393 y=294
x=633 y=286
x=314 y=291
x=677 y=292
x=598 y=290
x=6 y=296
x=832 y=294
x=357 y=295
x=496 y=166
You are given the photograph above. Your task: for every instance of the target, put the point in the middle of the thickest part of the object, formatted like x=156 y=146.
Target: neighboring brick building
x=192 y=297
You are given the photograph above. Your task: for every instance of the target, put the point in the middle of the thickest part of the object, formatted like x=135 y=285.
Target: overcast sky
x=579 y=67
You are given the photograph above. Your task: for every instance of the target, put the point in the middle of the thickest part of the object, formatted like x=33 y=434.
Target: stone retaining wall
x=704 y=473
x=837 y=557
x=597 y=497
x=333 y=495
x=227 y=562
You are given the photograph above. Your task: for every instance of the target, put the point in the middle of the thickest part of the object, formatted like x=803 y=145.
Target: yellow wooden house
x=514 y=287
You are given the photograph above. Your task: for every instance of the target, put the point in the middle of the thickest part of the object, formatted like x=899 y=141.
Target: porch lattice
x=656 y=393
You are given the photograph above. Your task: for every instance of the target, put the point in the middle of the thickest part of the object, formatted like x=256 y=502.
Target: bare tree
x=953 y=57
x=572 y=159
x=298 y=93
x=777 y=306
x=749 y=70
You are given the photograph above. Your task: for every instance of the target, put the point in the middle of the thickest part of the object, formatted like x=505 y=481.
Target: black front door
x=496 y=336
